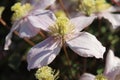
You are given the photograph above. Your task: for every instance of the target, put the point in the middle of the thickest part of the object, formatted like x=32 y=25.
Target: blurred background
x=13 y=65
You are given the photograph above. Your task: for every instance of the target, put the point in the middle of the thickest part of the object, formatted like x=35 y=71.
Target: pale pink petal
x=42 y=21
x=86 y=45
x=87 y=76
x=114 y=19
x=43 y=53
x=112 y=67
x=113 y=9
x=8 y=41
x=9 y=36
x=39 y=12
x=82 y=22
x=27 y=29
x=41 y=4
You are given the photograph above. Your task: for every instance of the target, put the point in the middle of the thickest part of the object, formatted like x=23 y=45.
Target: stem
x=84 y=65
x=41 y=33
x=3 y=22
x=99 y=26
x=66 y=54
x=63 y=7
x=26 y=39
x=68 y=59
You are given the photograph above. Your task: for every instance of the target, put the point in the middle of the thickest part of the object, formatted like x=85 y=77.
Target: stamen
x=46 y=73
x=20 y=10
x=100 y=77
x=62 y=27
x=91 y=6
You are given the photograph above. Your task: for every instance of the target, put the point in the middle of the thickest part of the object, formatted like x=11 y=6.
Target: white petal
x=41 y=4
x=112 y=67
x=43 y=53
x=82 y=22
x=42 y=20
x=39 y=12
x=87 y=45
x=8 y=41
x=87 y=76
x=113 y=9
x=9 y=36
x=27 y=29
x=113 y=18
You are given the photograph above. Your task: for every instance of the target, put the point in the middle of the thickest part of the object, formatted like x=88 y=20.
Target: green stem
x=99 y=26
x=66 y=54
x=84 y=65
x=67 y=57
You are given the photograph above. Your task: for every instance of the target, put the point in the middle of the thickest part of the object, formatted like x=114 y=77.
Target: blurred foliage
x=13 y=65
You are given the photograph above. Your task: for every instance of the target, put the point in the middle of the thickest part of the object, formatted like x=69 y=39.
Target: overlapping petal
x=43 y=53
x=8 y=37
x=26 y=29
x=86 y=45
x=82 y=22
x=42 y=4
x=42 y=20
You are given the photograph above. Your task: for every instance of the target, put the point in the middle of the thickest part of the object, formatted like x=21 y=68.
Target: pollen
x=62 y=27
x=1 y=10
x=102 y=5
x=46 y=73
x=100 y=77
x=20 y=10
x=92 y=6
x=60 y=13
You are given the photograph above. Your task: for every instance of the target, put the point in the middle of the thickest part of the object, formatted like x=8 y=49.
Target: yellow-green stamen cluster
x=1 y=10
x=46 y=73
x=100 y=77
x=60 y=13
x=62 y=27
x=91 y=6
x=20 y=10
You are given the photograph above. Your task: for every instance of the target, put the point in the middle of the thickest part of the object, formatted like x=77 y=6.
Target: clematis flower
x=101 y=9
x=111 y=72
x=65 y=32
x=28 y=19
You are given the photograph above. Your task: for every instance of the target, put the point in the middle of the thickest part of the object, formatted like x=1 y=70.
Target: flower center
x=117 y=77
x=20 y=10
x=62 y=27
x=46 y=73
x=91 y=6
x=100 y=77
